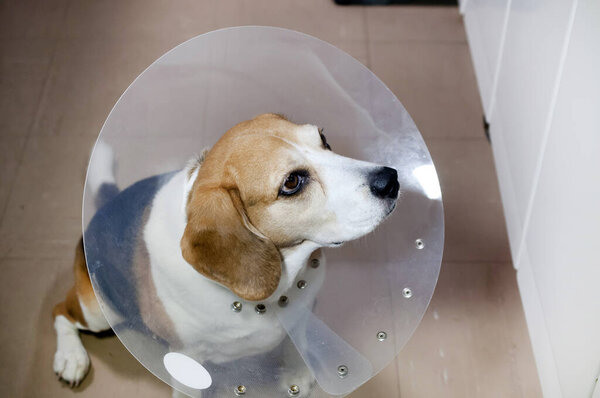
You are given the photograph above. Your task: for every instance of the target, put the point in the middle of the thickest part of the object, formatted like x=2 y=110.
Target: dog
x=238 y=224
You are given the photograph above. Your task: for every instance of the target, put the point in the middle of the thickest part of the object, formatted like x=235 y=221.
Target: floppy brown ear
x=221 y=244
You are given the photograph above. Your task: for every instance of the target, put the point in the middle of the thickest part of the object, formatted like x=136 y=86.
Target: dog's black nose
x=384 y=183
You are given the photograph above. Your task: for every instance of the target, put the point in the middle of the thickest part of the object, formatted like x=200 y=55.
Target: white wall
x=538 y=69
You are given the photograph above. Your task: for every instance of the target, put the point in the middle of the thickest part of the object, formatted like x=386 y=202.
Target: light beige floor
x=63 y=65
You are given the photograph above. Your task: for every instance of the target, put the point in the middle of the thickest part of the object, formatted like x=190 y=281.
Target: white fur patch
x=187 y=187
x=94 y=318
x=191 y=171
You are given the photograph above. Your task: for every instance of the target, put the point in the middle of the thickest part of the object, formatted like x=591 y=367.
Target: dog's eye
x=294 y=182
x=324 y=140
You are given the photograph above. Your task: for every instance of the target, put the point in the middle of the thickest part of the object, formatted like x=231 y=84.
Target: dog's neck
x=295 y=259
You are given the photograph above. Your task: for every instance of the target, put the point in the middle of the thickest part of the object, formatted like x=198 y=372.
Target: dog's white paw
x=71 y=361
x=71 y=364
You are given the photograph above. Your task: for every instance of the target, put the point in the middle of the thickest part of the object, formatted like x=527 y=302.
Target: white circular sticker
x=187 y=371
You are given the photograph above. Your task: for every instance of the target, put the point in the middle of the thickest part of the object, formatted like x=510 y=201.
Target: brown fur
x=218 y=244
x=82 y=290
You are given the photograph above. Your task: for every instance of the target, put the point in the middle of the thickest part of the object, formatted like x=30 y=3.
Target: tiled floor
x=63 y=65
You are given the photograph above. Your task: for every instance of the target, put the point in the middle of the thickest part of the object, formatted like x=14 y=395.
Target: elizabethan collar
x=370 y=294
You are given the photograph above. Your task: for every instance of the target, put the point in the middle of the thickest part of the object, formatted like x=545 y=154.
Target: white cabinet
x=562 y=240
x=485 y=21
x=544 y=114
x=534 y=44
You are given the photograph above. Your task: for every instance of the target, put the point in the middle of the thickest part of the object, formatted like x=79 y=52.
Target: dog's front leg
x=79 y=310
x=71 y=361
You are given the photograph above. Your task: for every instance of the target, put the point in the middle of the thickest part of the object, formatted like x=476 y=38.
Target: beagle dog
x=237 y=224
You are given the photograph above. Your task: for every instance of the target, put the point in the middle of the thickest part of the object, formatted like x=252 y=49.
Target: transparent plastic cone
x=370 y=293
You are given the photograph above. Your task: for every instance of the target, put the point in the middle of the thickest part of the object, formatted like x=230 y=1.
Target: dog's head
x=270 y=184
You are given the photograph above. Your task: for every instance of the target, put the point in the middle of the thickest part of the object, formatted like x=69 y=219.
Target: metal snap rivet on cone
x=236 y=306
x=283 y=301
x=293 y=390
x=342 y=370
x=260 y=308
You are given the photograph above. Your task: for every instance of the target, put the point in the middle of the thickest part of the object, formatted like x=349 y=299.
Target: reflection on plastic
x=187 y=371
x=427 y=178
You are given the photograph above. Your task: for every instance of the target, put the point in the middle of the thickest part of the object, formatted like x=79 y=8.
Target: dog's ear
x=221 y=244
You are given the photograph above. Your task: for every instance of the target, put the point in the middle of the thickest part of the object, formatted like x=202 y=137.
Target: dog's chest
x=200 y=311
x=218 y=333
